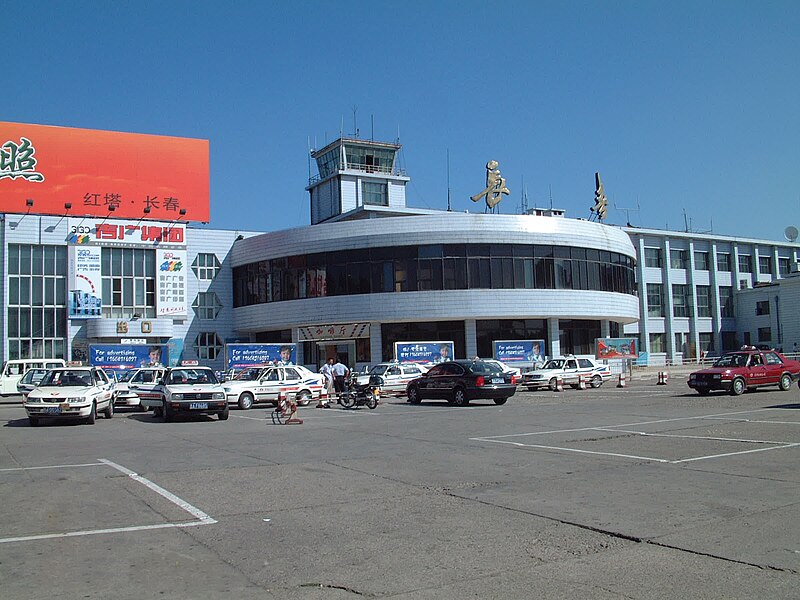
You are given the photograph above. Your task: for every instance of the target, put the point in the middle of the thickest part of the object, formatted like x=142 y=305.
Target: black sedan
x=460 y=381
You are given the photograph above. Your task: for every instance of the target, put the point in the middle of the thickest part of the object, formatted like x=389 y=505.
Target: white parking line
x=202 y=518
x=774 y=445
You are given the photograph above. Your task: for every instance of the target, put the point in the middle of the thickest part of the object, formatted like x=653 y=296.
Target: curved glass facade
x=433 y=267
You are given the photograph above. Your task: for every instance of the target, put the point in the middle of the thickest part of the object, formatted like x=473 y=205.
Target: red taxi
x=749 y=367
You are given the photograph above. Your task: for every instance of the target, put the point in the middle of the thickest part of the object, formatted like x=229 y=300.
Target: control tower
x=354 y=174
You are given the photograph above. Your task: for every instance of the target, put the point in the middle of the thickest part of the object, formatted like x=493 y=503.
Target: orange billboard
x=86 y=172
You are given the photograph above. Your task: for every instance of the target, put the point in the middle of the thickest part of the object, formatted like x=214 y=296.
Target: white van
x=13 y=370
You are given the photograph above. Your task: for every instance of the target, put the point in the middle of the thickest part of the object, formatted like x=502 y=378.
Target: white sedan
x=71 y=392
x=294 y=381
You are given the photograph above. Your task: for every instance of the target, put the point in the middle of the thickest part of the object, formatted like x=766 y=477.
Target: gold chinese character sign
x=495 y=186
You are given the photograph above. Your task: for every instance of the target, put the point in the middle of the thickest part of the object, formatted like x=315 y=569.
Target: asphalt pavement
x=640 y=492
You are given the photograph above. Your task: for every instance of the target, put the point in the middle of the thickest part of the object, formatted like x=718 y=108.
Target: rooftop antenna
x=523 y=204
x=341 y=129
x=790 y=233
x=308 y=143
x=355 y=127
x=550 y=187
x=449 y=208
x=627 y=211
x=372 y=123
x=685 y=222
x=398 y=133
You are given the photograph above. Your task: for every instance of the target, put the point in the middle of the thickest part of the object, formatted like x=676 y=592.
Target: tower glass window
x=207 y=305
x=655 y=300
x=37 y=309
x=206 y=266
x=701 y=261
x=129 y=282
x=723 y=261
x=678 y=258
x=652 y=257
x=207 y=345
x=375 y=194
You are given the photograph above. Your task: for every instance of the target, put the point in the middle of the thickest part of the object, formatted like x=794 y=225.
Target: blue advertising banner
x=242 y=356
x=127 y=356
x=510 y=351
x=175 y=346
x=423 y=352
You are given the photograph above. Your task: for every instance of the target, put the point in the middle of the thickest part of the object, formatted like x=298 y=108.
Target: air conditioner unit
x=744 y=284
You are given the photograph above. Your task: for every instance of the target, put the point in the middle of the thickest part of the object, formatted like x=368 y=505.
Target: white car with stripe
x=292 y=381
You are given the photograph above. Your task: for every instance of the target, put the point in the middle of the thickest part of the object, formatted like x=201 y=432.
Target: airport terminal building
x=370 y=271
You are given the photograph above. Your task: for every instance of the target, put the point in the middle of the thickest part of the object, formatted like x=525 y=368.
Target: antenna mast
x=355 y=126
x=627 y=211
x=449 y=208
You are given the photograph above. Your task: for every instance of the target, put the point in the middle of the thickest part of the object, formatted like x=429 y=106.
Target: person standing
x=340 y=373
x=327 y=371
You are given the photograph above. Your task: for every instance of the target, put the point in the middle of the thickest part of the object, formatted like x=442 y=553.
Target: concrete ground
x=641 y=492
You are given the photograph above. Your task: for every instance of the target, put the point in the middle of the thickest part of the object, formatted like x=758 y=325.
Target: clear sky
x=690 y=111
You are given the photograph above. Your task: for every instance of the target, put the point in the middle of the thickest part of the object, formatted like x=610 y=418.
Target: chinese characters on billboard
x=86 y=172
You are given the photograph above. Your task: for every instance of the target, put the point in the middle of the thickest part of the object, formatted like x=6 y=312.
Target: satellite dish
x=790 y=233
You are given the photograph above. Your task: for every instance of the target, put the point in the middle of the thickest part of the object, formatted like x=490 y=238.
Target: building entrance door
x=344 y=350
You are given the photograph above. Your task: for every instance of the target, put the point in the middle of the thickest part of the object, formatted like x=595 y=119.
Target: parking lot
x=642 y=492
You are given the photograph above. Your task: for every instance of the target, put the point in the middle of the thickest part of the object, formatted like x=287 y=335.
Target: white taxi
x=71 y=392
x=568 y=369
x=186 y=390
x=395 y=376
x=274 y=383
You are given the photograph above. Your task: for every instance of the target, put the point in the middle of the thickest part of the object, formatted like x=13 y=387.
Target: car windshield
x=67 y=379
x=377 y=370
x=191 y=377
x=556 y=363
x=123 y=376
x=34 y=376
x=247 y=375
x=481 y=367
x=731 y=360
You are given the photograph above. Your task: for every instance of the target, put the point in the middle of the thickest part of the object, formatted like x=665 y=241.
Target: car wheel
x=786 y=382
x=223 y=416
x=246 y=401
x=92 y=415
x=500 y=401
x=34 y=421
x=413 y=395
x=109 y=411
x=596 y=381
x=157 y=412
x=553 y=384
x=166 y=412
x=459 y=397
x=304 y=398
x=737 y=387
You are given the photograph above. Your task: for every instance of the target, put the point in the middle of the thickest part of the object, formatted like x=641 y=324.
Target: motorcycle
x=361 y=394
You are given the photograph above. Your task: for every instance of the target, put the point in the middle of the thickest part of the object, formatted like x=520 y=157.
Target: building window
x=207 y=305
x=723 y=261
x=765 y=264
x=129 y=282
x=764 y=334
x=655 y=300
x=658 y=342
x=706 y=342
x=206 y=266
x=703 y=301
x=375 y=194
x=207 y=345
x=678 y=258
x=701 y=261
x=762 y=307
x=726 y=301
x=652 y=257
x=745 y=263
x=729 y=342
x=37 y=309
x=784 y=264
x=681 y=300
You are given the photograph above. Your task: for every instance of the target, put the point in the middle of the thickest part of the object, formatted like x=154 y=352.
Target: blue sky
x=689 y=110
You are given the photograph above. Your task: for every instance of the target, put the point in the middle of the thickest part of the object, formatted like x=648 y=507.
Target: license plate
x=52 y=410
x=498 y=380
x=700 y=383
x=198 y=405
